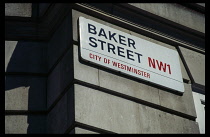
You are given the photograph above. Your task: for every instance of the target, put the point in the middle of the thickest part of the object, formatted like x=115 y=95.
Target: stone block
x=84 y=72
x=25 y=124
x=77 y=130
x=17 y=99
x=172 y=124
x=16 y=124
x=58 y=117
x=128 y=87
x=175 y=13
x=59 y=42
x=157 y=121
x=18 y=9
x=22 y=56
x=149 y=120
x=62 y=114
x=25 y=93
x=9 y=50
x=60 y=78
x=192 y=127
x=196 y=64
x=108 y=112
x=181 y=103
x=167 y=123
x=105 y=111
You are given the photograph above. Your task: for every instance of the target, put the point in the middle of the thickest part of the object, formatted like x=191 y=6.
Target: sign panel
x=120 y=51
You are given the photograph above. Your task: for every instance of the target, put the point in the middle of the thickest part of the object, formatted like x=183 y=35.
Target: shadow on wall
x=25 y=88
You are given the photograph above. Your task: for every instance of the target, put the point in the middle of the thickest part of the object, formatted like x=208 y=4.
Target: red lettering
x=169 y=69
x=148 y=75
x=151 y=62
x=130 y=69
x=114 y=63
x=160 y=66
x=118 y=64
x=90 y=55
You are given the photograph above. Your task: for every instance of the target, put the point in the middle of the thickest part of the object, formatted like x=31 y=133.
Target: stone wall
x=48 y=89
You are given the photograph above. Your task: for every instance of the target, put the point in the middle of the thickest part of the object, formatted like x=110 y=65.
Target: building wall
x=199 y=101
x=176 y=13
x=48 y=89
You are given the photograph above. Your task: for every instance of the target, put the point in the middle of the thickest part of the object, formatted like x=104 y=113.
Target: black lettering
x=112 y=48
x=91 y=40
x=131 y=42
x=102 y=33
x=91 y=29
x=120 y=39
x=128 y=54
x=102 y=42
x=112 y=36
x=138 y=56
x=120 y=50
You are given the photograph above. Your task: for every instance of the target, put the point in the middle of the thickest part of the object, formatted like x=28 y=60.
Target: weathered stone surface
x=149 y=120
x=108 y=112
x=17 y=99
x=128 y=87
x=25 y=124
x=84 y=72
x=16 y=124
x=9 y=49
x=105 y=111
x=181 y=103
x=18 y=9
x=59 y=42
x=175 y=13
x=174 y=124
x=196 y=64
x=57 y=118
x=148 y=93
x=192 y=127
x=167 y=123
x=59 y=78
x=62 y=115
x=77 y=130
x=25 y=93
x=22 y=56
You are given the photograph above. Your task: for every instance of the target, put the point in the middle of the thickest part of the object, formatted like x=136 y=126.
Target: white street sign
x=120 y=51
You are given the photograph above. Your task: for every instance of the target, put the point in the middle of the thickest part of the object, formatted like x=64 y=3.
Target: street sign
x=131 y=55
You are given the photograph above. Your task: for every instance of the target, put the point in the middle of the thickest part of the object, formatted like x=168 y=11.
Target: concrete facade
x=18 y=9
x=199 y=101
x=175 y=13
x=50 y=90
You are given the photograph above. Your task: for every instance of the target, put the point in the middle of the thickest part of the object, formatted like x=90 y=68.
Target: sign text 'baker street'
x=134 y=56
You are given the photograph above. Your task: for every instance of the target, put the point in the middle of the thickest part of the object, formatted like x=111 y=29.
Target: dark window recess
x=154 y=24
